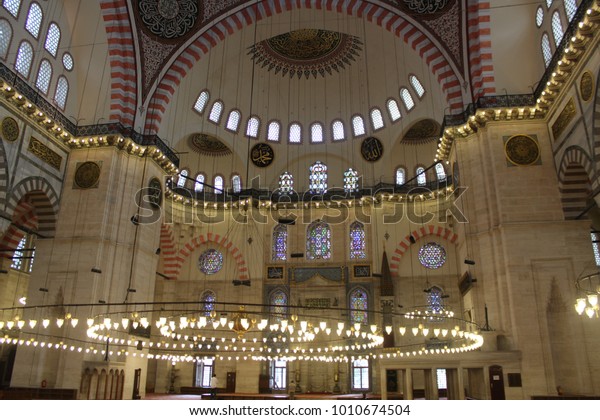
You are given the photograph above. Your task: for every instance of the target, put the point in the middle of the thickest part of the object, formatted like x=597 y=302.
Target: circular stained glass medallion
x=432 y=255
x=210 y=262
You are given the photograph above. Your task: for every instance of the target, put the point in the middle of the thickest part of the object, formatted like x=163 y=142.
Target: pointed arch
x=43 y=197
x=429 y=230
x=574 y=181
x=421 y=42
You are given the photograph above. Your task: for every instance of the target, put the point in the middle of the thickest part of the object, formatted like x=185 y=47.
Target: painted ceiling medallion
x=169 y=19
x=306 y=52
x=522 y=150
x=208 y=145
x=422 y=132
x=426 y=6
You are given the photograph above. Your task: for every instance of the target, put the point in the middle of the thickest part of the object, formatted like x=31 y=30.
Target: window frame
x=251 y=134
x=351 y=228
x=397 y=105
x=545 y=42
x=278 y=124
x=309 y=254
x=376 y=109
x=55 y=53
x=553 y=23
x=239 y=121
x=278 y=228
x=218 y=190
x=44 y=60
x=412 y=77
x=183 y=177
x=58 y=80
x=9 y=11
x=323 y=190
x=201 y=367
x=400 y=167
x=289 y=133
x=322 y=127
x=233 y=187
x=39 y=26
x=30 y=61
x=201 y=112
x=273 y=370
x=201 y=183
x=417 y=174
x=363 y=370
x=335 y=123
x=403 y=99
x=360 y=118
x=220 y=116
x=10 y=38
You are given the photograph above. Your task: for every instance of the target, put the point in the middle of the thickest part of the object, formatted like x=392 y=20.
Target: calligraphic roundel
x=262 y=155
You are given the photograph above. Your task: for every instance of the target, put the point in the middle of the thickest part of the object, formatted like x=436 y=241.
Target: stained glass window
x=280 y=235
x=400 y=176
x=557 y=29
x=376 y=119
x=12 y=6
x=233 y=121
x=421 y=177
x=393 y=110
x=546 y=49
x=407 y=98
x=278 y=302
x=570 y=9
x=318 y=178
x=435 y=301
x=295 y=133
x=358 y=125
x=34 y=19
x=208 y=298
x=316 y=133
x=61 y=93
x=360 y=374
x=252 y=127
x=286 y=183
x=181 y=180
x=416 y=84
x=215 y=112
x=350 y=180
x=357 y=241
x=44 y=76
x=273 y=131
x=19 y=255
x=539 y=16
x=5 y=37
x=359 y=304
x=218 y=184
x=210 y=262
x=440 y=171
x=432 y=255
x=24 y=58
x=201 y=102
x=52 y=39
x=236 y=183
x=596 y=247
x=199 y=184
x=318 y=241
x=338 y=130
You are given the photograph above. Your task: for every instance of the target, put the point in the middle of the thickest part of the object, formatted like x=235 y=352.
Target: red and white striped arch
x=429 y=230
x=449 y=79
x=25 y=217
x=43 y=197
x=480 y=49
x=174 y=260
x=121 y=52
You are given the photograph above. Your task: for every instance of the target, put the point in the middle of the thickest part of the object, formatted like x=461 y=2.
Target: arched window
x=400 y=176
x=318 y=241
x=279 y=250
x=596 y=246
x=273 y=131
x=557 y=29
x=318 y=178
x=5 y=37
x=208 y=300
x=233 y=121
x=417 y=86
x=236 y=184
x=215 y=112
x=435 y=300
x=548 y=3
x=360 y=375
x=286 y=183
x=440 y=171
x=62 y=91
x=316 y=133
x=278 y=302
x=570 y=9
x=201 y=102
x=218 y=184
x=359 y=305
x=407 y=98
x=546 y=49
x=52 y=39
x=24 y=59
x=357 y=241
x=182 y=179
x=252 y=127
x=337 y=127
x=43 y=77
x=421 y=176
x=295 y=134
x=199 y=184
x=24 y=255
x=358 y=126
x=351 y=180
x=34 y=20
x=12 y=6
x=393 y=110
x=19 y=255
x=539 y=16
x=376 y=119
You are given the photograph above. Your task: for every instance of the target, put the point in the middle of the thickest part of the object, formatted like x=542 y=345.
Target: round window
x=432 y=255
x=210 y=262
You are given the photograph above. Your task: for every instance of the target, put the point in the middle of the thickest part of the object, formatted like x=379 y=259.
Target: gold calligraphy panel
x=563 y=120
x=43 y=152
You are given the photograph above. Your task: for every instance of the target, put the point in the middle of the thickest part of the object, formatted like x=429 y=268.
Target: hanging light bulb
x=32 y=323
x=436 y=332
x=415 y=331
x=425 y=332
x=60 y=322
x=444 y=332
x=223 y=321
x=357 y=326
x=45 y=322
x=74 y=322
x=402 y=330
x=230 y=325
x=245 y=323
x=284 y=324
x=202 y=322
x=183 y=322
x=303 y=325
x=125 y=322
x=323 y=325
x=388 y=329
x=592 y=299
x=589 y=311
x=20 y=324
x=340 y=325
x=144 y=322
x=90 y=322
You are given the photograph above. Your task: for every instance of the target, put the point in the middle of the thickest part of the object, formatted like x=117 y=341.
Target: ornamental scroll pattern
x=43 y=152
x=307 y=273
x=425 y=6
